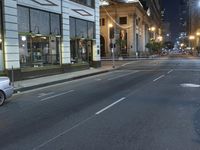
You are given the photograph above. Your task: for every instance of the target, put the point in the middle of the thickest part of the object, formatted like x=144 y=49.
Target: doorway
x=81 y=51
x=102 y=43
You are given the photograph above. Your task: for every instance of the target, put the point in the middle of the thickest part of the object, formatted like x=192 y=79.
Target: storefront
x=39 y=37
x=49 y=37
x=82 y=34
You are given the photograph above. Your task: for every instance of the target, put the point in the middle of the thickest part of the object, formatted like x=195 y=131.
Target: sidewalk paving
x=24 y=85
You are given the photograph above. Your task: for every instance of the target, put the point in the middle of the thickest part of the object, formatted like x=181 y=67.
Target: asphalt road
x=144 y=105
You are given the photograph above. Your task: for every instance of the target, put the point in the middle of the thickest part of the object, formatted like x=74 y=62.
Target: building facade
x=183 y=16
x=194 y=24
x=131 y=24
x=48 y=36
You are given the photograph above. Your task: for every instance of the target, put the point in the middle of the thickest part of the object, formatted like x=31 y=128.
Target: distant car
x=6 y=89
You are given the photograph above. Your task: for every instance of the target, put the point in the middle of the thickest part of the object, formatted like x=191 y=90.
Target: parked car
x=6 y=89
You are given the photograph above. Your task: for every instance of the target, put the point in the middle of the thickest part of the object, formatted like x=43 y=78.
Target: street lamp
x=111 y=30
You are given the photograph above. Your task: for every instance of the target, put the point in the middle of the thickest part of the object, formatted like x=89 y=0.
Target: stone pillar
x=133 y=45
x=96 y=43
x=65 y=44
x=11 y=42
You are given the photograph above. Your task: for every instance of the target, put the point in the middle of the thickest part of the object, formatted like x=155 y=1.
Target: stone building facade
x=42 y=37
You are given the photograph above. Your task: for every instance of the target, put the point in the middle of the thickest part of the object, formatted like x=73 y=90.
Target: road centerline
x=170 y=71
x=53 y=96
x=109 y=106
x=162 y=76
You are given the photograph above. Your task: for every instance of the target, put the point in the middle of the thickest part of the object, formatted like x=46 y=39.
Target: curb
x=23 y=89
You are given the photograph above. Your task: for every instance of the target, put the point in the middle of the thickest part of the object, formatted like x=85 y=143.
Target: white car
x=6 y=89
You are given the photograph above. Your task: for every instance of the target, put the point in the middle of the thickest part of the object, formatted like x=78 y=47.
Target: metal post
x=12 y=74
x=113 y=56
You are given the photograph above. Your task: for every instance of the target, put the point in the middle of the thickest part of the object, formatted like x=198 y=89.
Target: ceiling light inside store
x=23 y=38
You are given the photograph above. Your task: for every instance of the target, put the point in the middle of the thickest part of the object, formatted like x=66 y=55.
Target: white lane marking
x=126 y=64
x=170 y=71
x=63 y=133
x=122 y=76
x=158 y=78
x=111 y=105
x=98 y=79
x=190 y=85
x=45 y=94
x=53 y=96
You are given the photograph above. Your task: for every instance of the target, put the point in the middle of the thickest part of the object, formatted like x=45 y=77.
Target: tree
x=154 y=47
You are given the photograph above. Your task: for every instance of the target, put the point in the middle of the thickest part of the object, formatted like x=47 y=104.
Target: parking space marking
x=53 y=96
x=45 y=94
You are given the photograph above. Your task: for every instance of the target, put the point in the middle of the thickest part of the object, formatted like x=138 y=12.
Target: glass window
x=102 y=22
x=72 y=27
x=89 y=3
x=24 y=49
x=90 y=30
x=23 y=19
x=81 y=28
x=39 y=50
x=55 y=24
x=39 y=22
x=123 y=20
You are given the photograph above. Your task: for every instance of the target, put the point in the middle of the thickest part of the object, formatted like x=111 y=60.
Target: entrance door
x=137 y=44
x=103 y=52
x=89 y=51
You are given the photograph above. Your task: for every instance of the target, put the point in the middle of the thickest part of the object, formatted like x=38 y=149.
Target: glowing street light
x=191 y=37
x=152 y=29
x=160 y=38
x=110 y=25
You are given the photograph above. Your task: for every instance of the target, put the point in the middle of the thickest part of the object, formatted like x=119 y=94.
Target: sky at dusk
x=171 y=15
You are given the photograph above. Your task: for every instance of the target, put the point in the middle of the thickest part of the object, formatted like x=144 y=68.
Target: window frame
x=83 y=2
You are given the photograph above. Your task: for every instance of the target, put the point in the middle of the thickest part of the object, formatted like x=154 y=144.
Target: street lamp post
x=111 y=30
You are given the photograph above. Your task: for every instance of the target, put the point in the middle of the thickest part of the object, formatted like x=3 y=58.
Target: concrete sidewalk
x=24 y=85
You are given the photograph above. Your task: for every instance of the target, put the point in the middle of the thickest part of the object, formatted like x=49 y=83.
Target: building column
x=143 y=37
x=65 y=46
x=96 y=43
x=133 y=32
x=11 y=42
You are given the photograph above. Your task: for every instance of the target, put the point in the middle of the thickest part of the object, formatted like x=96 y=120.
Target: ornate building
x=129 y=26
